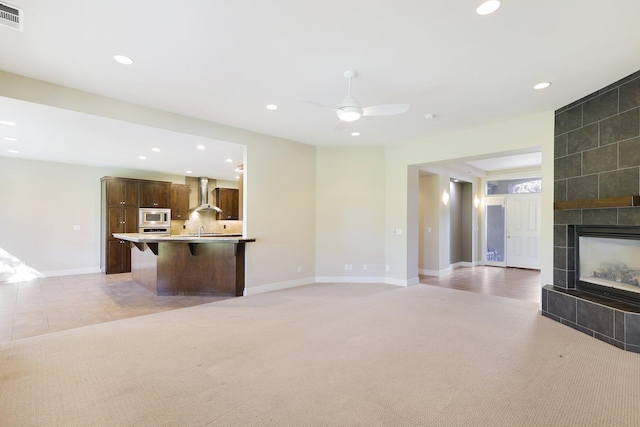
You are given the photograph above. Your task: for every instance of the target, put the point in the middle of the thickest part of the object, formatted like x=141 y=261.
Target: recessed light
x=13 y=151
x=229 y=160
x=155 y=149
x=272 y=107
x=4 y=122
x=488 y=7
x=142 y=157
x=201 y=147
x=542 y=85
x=429 y=116
x=10 y=139
x=125 y=60
x=189 y=172
x=355 y=133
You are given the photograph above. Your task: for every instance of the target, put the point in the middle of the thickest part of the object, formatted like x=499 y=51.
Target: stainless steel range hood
x=203 y=196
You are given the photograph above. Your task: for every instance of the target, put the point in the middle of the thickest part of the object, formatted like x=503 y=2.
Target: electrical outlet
x=350 y=266
x=429 y=230
x=299 y=269
x=364 y=267
x=386 y=268
x=398 y=230
x=346 y=266
x=76 y=227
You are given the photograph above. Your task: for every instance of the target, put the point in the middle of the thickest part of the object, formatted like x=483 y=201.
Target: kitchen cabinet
x=228 y=200
x=179 y=201
x=119 y=215
x=154 y=194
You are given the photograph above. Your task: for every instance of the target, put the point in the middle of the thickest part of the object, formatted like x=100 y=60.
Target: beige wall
x=402 y=183
x=350 y=194
x=43 y=201
x=429 y=218
x=279 y=180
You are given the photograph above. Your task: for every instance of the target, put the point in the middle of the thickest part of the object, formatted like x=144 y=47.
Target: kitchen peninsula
x=187 y=264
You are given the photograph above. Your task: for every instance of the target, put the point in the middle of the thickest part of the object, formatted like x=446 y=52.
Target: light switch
x=76 y=227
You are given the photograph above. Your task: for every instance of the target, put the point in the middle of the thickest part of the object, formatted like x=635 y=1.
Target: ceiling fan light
x=349 y=114
x=488 y=7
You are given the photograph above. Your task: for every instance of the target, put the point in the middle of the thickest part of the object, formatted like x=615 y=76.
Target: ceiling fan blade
x=319 y=105
x=385 y=110
x=341 y=125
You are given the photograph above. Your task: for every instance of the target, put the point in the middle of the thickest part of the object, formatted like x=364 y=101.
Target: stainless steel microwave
x=154 y=218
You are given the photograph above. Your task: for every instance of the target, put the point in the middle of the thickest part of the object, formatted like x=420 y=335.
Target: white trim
x=455 y=265
x=350 y=279
x=469 y=264
x=270 y=287
x=435 y=272
x=71 y=272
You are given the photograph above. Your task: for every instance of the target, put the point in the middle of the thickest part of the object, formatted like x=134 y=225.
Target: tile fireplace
x=596 y=252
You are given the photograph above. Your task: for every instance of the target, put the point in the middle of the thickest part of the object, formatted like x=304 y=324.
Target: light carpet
x=324 y=355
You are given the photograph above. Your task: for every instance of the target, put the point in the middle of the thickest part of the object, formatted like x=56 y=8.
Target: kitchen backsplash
x=211 y=225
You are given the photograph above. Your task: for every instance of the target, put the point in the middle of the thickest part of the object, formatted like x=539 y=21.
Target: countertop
x=159 y=238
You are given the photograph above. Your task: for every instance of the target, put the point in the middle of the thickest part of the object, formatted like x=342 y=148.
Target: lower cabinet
x=118 y=257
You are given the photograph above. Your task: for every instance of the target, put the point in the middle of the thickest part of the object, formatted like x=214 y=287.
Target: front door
x=523 y=230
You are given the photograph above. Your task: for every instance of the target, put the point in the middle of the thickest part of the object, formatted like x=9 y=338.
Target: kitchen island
x=187 y=264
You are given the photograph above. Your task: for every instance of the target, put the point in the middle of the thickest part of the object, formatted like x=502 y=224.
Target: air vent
x=11 y=16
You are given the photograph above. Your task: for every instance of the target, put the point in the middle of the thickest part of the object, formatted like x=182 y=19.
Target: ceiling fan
x=350 y=111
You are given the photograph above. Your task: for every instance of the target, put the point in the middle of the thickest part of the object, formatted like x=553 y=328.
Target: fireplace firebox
x=607 y=260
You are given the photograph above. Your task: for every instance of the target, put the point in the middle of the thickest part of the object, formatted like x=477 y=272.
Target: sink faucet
x=201 y=228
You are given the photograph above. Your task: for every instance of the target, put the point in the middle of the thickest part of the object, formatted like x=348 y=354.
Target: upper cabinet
x=179 y=201
x=228 y=200
x=121 y=192
x=154 y=194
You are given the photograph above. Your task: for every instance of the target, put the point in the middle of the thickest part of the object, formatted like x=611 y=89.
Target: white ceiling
x=223 y=61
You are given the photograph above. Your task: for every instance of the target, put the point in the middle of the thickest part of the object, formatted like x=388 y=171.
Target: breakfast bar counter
x=187 y=264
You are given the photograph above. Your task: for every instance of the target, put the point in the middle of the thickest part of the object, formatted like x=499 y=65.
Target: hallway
x=516 y=283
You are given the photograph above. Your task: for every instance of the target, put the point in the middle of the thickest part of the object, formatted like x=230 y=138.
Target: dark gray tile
x=600 y=216
x=567 y=167
x=551 y=316
x=571 y=264
x=595 y=317
x=577 y=327
x=560 y=278
x=632 y=348
x=571 y=236
x=562 y=305
x=619 y=325
x=572 y=216
x=629 y=153
x=609 y=340
x=560 y=146
x=619 y=183
x=601 y=159
x=632 y=328
x=568 y=120
x=630 y=95
x=560 y=235
x=560 y=190
x=584 y=187
x=600 y=107
x=628 y=216
x=571 y=279
x=544 y=299
x=620 y=127
x=559 y=257
x=582 y=139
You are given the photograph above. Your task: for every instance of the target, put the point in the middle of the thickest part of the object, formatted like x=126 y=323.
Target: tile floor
x=517 y=283
x=51 y=304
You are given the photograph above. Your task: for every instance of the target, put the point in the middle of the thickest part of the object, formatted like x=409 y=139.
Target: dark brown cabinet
x=119 y=215
x=154 y=194
x=228 y=200
x=179 y=201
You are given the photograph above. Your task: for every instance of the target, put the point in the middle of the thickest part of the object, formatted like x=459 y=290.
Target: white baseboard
x=350 y=279
x=270 y=287
x=435 y=272
x=70 y=272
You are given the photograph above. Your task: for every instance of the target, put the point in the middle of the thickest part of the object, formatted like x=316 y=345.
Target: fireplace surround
x=596 y=189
